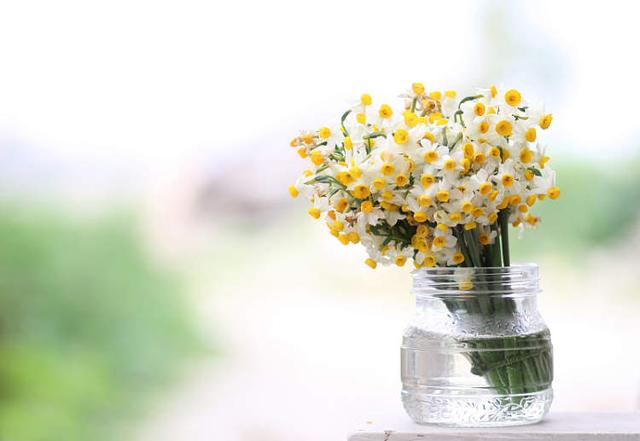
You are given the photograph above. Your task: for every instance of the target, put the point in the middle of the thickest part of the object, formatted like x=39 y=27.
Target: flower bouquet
x=438 y=182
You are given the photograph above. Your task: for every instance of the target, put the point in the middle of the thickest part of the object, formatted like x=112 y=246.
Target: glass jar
x=477 y=353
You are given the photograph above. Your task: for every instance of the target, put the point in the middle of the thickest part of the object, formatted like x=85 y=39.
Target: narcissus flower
x=434 y=181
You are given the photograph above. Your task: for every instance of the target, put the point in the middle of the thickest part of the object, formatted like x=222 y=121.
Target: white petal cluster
x=435 y=182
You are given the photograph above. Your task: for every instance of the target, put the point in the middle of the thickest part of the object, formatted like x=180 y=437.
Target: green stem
x=503 y=218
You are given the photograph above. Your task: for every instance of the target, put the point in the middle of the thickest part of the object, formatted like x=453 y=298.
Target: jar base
x=441 y=407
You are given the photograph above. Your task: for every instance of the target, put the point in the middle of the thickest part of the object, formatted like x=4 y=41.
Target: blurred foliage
x=89 y=328
x=599 y=204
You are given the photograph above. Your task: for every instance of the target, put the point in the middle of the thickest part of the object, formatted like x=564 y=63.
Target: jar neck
x=464 y=283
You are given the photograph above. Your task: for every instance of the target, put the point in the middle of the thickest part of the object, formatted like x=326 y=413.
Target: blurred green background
x=157 y=282
x=90 y=327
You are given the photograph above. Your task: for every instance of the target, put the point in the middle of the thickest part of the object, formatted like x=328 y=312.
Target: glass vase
x=477 y=352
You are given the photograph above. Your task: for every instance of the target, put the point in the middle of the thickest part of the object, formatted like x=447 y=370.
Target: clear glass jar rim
x=515 y=280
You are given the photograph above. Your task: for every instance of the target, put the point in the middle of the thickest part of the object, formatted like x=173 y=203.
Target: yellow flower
x=442 y=196
x=385 y=111
x=429 y=260
x=512 y=97
x=479 y=109
x=314 y=212
x=449 y=164
x=365 y=99
x=317 y=158
x=348 y=144
x=293 y=191
x=507 y=179
x=426 y=180
x=324 y=132
x=545 y=122
x=430 y=156
x=366 y=207
x=504 y=128
x=420 y=216
x=530 y=135
x=457 y=258
x=485 y=188
x=371 y=263
x=401 y=136
x=436 y=95
x=554 y=192
x=401 y=180
x=341 y=204
x=387 y=168
x=418 y=88
x=400 y=260
x=429 y=136
x=526 y=155
x=424 y=200
x=361 y=191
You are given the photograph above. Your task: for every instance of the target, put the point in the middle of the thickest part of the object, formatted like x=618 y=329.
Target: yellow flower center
x=436 y=95
x=504 y=128
x=361 y=191
x=455 y=216
x=512 y=97
x=479 y=109
x=426 y=180
x=429 y=136
x=468 y=150
x=449 y=164
x=531 y=135
x=317 y=158
x=420 y=216
x=554 y=192
x=479 y=158
x=365 y=99
x=485 y=188
x=439 y=241
x=418 y=88
x=429 y=261
x=401 y=180
x=424 y=200
x=385 y=111
x=545 y=122
x=401 y=136
x=348 y=144
x=442 y=196
x=341 y=204
x=430 y=156
x=507 y=180
x=387 y=168
x=378 y=183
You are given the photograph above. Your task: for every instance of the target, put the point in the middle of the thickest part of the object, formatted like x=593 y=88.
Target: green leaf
x=342 y=119
x=468 y=98
x=535 y=171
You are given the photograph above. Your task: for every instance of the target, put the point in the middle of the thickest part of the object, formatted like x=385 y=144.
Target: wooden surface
x=556 y=426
